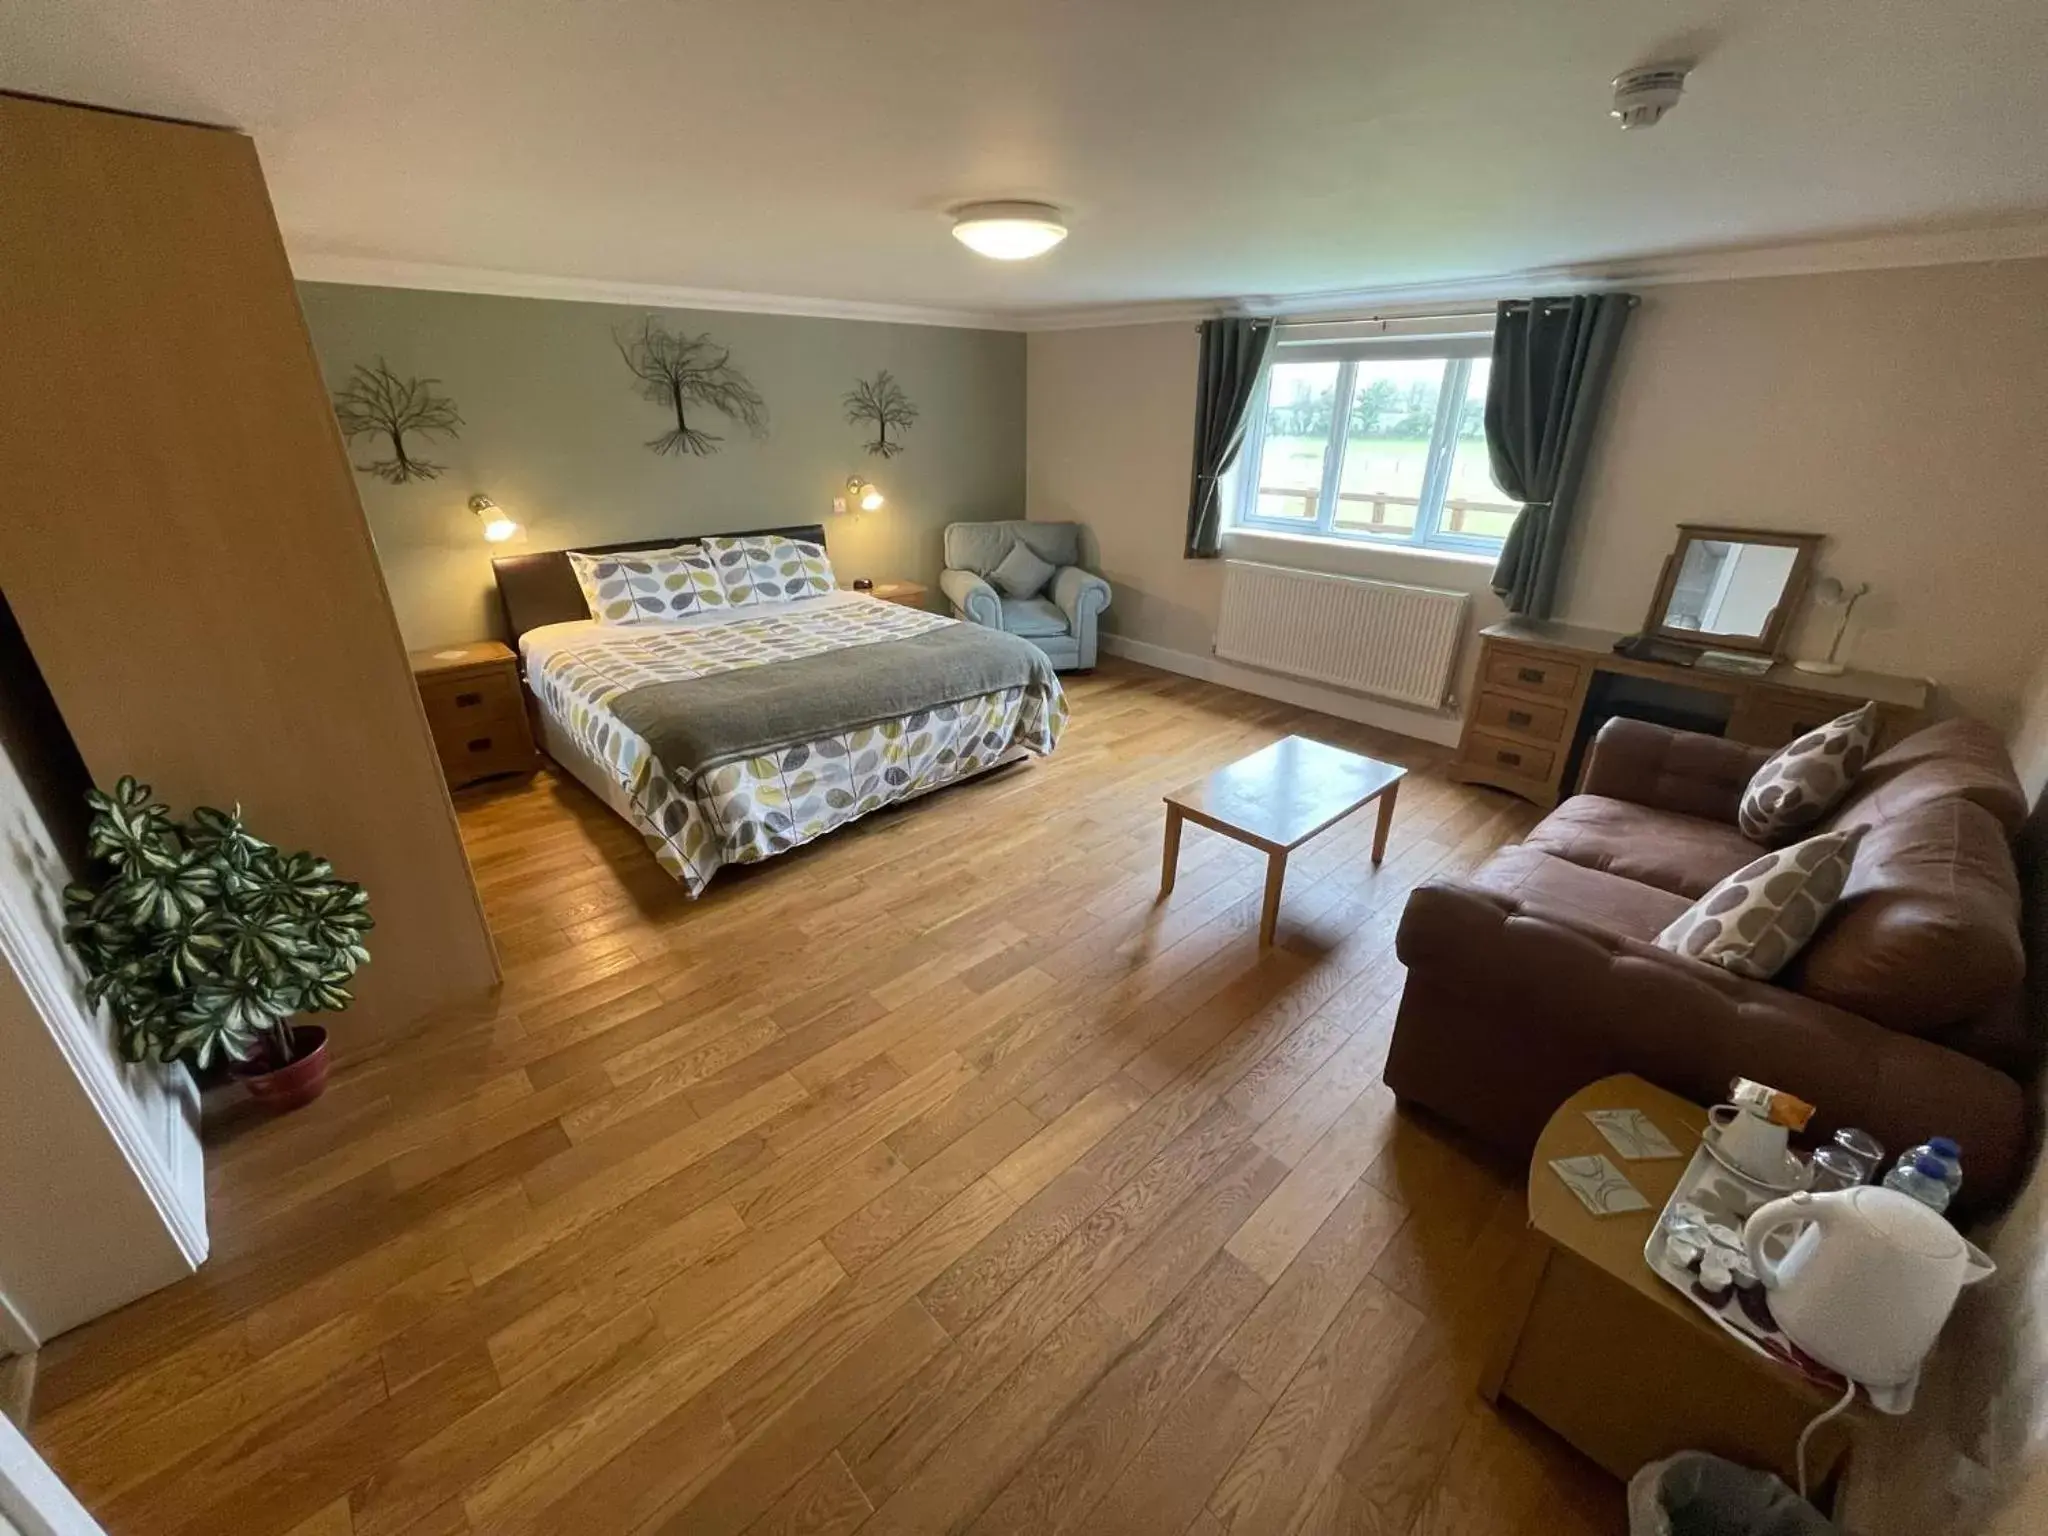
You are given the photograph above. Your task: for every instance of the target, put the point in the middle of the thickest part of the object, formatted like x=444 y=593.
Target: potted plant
x=205 y=941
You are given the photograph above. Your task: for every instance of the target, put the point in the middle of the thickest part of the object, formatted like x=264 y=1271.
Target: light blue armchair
x=1059 y=620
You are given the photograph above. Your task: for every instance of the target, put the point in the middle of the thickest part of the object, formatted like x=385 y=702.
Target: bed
x=733 y=735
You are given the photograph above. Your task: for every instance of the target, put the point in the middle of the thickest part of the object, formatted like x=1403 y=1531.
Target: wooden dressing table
x=1544 y=688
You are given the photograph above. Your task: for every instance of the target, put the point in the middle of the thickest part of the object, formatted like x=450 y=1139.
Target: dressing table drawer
x=1530 y=672
x=1521 y=717
x=1501 y=754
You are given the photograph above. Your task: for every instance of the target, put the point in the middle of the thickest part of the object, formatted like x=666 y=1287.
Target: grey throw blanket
x=701 y=722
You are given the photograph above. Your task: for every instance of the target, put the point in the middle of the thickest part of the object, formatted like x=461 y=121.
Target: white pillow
x=769 y=568
x=635 y=586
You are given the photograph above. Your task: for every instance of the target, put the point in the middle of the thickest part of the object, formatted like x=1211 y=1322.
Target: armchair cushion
x=1020 y=573
x=973 y=597
x=1032 y=617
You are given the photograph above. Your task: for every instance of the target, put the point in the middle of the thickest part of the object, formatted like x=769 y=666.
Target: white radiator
x=1376 y=637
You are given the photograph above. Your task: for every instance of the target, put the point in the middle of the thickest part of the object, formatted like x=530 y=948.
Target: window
x=1380 y=439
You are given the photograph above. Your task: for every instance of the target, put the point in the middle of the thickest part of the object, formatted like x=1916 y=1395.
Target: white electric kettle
x=1867 y=1285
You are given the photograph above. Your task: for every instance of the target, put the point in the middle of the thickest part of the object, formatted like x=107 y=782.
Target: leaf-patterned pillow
x=1757 y=919
x=639 y=585
x=770 y=569
x=1800 y=784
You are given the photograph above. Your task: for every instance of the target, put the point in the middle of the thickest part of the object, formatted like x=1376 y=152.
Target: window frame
x=1457 y=353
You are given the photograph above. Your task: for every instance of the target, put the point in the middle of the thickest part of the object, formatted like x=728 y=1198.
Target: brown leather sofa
x=1904 y=1016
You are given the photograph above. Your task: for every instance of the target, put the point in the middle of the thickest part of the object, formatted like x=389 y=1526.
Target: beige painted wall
x=554 y=432
x=1110 y=443
x=1893 y=411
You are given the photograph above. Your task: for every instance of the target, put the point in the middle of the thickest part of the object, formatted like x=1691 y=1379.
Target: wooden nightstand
x=911 y=594
x=476 y=710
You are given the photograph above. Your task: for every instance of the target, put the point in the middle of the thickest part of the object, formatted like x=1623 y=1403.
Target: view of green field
x=1386 y=450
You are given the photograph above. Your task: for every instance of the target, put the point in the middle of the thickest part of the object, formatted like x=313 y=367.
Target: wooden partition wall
x=180 y=536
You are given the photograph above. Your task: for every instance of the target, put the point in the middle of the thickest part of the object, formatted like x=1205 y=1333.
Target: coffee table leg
x=1269 y=919
x=1169 y=862
x=1379 y=836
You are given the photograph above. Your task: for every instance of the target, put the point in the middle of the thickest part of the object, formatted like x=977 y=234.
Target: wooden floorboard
x=936 y=1177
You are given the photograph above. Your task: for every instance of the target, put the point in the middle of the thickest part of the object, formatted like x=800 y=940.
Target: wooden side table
x=1595 y=1345
x=476 y=710
x=911 y=594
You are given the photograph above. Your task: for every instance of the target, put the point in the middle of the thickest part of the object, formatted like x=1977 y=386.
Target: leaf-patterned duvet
x=744 y=811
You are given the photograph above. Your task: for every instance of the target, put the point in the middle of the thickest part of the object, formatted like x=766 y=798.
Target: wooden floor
x=933 y=1178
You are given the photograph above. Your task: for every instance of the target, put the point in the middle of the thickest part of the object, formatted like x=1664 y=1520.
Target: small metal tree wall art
x=690 y=373
x=881 y=400
x=377 y=401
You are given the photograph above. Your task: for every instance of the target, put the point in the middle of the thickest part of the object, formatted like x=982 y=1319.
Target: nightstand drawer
x=473 y=696
x=500 y=744
x=1530 y=672
x=1498 y=752
x=1521 y=717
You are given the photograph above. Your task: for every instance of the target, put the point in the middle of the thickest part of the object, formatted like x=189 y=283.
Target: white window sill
x=1344 y=556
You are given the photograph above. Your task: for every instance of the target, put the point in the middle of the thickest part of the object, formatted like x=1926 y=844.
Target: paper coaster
x=1601 y=1187
x=1631 y=1133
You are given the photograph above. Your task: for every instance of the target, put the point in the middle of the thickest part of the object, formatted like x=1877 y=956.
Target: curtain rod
x=1487 y=313
x=1380 y=319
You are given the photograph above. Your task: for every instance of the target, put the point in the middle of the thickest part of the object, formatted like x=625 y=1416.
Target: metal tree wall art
x=686 y=373
x=882 y=401
x=376 y=400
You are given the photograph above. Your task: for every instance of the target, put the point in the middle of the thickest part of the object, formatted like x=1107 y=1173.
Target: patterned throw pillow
x=1803 y=782
x=1756 y=920
x=1021 y=573
x=770 y=569
x=635 y=586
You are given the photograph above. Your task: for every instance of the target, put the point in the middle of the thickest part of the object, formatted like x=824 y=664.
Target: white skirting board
x=1425 y=725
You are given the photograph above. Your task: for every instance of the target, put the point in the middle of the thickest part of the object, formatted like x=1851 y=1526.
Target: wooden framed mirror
x=1732 y=589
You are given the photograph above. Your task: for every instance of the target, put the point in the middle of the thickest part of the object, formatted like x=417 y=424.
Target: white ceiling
x=1203 y=147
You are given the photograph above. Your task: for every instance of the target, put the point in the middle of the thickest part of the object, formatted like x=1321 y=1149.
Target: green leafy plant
x=204 y=940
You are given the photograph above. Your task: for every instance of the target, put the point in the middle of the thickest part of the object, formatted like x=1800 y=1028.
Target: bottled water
x=1945 y=1152
x=1924 y=1179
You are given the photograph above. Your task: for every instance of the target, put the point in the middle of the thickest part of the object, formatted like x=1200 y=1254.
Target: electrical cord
x=1806 y=1434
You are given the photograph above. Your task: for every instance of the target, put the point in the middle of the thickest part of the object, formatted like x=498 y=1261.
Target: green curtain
x=1551 y=361
x=1234 y=356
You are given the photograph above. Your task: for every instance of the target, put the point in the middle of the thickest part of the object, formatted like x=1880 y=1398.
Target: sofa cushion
x=1756 y=920
x=1544 y=883
x=1959 y=759
x=1927 y=931
x=1801 y=782
x=1032 y=617
x=1680 y=854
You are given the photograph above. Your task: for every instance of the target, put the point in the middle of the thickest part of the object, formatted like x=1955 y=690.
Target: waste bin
x=1694 y=1494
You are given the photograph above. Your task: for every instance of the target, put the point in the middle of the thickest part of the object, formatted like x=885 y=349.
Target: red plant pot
x=297 y=1083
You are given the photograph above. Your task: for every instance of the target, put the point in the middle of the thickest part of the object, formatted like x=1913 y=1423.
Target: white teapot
x=1867 y=1285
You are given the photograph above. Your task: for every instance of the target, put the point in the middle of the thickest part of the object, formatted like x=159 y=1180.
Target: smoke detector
x=1643 y=96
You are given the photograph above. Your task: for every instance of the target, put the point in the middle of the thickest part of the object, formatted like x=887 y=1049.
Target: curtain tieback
x=1543 y=504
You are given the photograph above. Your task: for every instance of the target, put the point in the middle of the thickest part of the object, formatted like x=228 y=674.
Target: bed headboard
x=541 y=589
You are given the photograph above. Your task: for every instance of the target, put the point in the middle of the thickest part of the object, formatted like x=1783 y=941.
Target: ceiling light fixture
x=1008 y=231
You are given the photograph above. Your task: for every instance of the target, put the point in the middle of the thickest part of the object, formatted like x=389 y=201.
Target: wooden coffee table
x=1278 y=799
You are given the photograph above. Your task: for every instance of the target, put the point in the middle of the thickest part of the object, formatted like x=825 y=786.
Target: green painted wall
x=553 y=431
